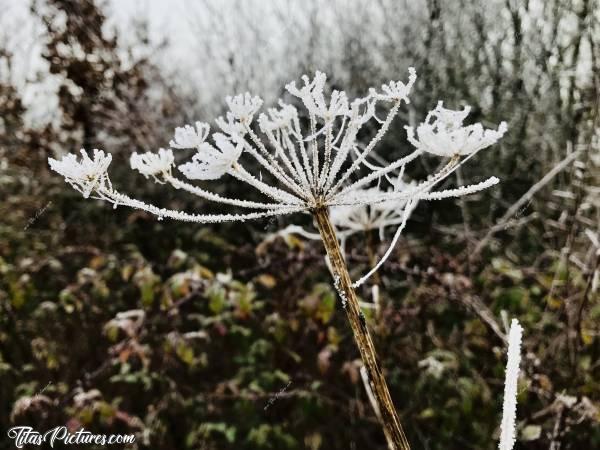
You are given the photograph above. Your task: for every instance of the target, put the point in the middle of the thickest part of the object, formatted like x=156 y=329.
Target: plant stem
x=389 y=417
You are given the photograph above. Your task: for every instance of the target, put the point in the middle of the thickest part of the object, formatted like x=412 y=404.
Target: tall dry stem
x=389 y=417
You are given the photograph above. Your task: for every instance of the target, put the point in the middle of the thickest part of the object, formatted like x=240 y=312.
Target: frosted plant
x=308 y=166
x=509 y=409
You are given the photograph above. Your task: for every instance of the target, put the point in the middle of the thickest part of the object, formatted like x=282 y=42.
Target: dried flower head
x=244 y=106
x=210 y=162
x=84 y=175
x=313 y=97
x=396 y=90
x=153 y=164
x=190 y=137
x=364 y=216
x=301 y=167
x=278 y=119
x=443 y=133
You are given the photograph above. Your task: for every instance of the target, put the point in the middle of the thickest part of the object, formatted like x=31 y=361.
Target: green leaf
x=531 y=432
x=185 y=353
x=216 y=299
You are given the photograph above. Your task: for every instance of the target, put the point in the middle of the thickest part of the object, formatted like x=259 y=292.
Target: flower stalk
x=389 y=417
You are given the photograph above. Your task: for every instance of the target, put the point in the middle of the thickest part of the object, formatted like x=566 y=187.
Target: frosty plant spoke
x=202 y=193
x=311 y=169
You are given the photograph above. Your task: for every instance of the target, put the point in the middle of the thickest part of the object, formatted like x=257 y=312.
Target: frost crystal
x=190 y=137
x=303 y=166
x=340 y=291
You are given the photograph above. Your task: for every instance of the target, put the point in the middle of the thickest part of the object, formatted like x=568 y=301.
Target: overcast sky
x=166 y=18
x=19 y=33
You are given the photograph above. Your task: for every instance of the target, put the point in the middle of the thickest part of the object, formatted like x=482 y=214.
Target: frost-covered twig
x=509 y=408
x=525 y=198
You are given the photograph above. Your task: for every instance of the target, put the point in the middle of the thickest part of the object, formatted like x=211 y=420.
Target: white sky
x=18 y=33
x=166 y=17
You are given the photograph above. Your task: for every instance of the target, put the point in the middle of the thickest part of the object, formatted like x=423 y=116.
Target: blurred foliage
x=218 y=346
x=215 y=338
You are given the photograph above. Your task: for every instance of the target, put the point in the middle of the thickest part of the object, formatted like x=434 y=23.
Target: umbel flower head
x=85 y=175
x=211 y=163
x=443 y=133
x=397 y=90
x=190 y=137
x=153 y=164
x=302 y=165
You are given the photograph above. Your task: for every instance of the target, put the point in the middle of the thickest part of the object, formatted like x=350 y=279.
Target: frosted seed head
x=313 y=98
x=338 y=106
x=211 y=163
x=244 y=106
x=86 y=174
x=278 y=119
x=366 y=211
x=448 y=118
x=153 y=164
x=231 y=126
x=396 y=90
x=189 y=137
x=310 y=175
x=443 y=134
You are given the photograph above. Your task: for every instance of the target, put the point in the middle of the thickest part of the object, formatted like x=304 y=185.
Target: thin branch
x=525 y=198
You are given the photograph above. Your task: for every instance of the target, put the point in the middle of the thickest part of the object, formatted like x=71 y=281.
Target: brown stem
x=389 y=417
